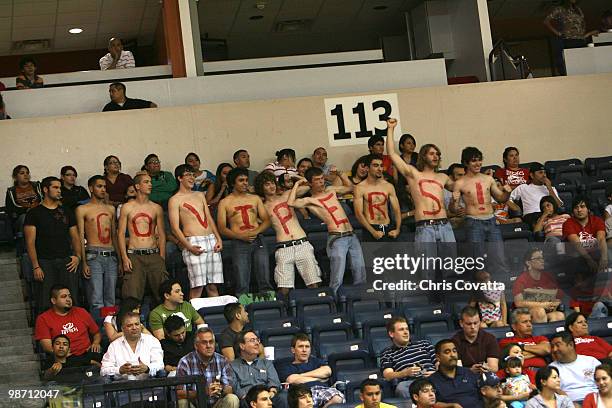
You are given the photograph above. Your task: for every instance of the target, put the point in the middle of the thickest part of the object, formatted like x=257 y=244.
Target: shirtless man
x=292 y=246
x=247 y=218
x=371 y=199
x=476 y=190
x=199 y=237
x=341 y=237
x=143 y=261
x=96 y=224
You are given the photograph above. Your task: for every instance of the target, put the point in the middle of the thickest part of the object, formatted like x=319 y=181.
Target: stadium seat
x=280 y=339
x=591 y=163
x=322 y=333
x=377 y=345
x=310 y=309
x=361 y=318
x=351 y=379
x=352 y=298
x=500 y=332
x=275 y=323
x=306 y=295
x=329 y=347
x=374 y=329
x=596 y=191
x=350 y=360
x=552 y=166
x=548 y=329
x=266 y=310
x=415 y=299
x=329 y=319
x=428 y=319
x=433 y=338
x=600 y=327
x=6 y=230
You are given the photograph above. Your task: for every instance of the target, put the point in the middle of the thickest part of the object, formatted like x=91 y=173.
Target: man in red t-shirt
x=537 y=290
x=511 y=173
x=535 y=348
x=376 y=145
x=588 y=234
x=74 y=322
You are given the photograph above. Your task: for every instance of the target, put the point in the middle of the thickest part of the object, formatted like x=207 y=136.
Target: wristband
x=38 y=267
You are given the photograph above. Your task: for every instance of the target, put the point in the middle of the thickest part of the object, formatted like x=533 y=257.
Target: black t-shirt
x=173 y=351
x=227 y=338
x=52 y=231
x=75 y=367
x=128 y=104
x=71 y=198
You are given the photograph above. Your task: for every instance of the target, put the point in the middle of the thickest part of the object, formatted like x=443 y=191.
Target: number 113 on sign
x=353 y=120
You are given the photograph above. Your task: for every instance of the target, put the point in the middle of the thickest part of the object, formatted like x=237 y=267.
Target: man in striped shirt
x=405 y=361
x=117 y=58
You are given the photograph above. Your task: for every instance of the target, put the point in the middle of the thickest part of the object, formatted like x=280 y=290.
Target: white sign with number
x=353 y=120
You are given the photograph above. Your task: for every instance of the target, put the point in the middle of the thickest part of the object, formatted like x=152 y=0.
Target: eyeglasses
x=254 y=340
x=154 y=162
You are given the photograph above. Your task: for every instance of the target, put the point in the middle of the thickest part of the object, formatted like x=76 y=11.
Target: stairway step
x=15 y=341
x=21 y=358
x=13 y=315
x=20 y=349
x=15 y=324
x=16 y=332
x=14 y=306
x=20 y=367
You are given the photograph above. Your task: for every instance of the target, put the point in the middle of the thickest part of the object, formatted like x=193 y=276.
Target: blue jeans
x=481 y=231
x=337 y=249
x=247 y=256
x=101 y=285
x=437 y=240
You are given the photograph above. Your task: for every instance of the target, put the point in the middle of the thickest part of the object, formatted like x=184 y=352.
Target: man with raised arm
x=341 y=239
x=371 y=200
x=199 y=236
x=292 y=247
x=96 y=223
x=476 y=190
x=247 y=218
x=427 y=190
x=143 y=260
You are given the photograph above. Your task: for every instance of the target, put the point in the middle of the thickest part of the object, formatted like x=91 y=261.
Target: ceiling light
x=75 y=30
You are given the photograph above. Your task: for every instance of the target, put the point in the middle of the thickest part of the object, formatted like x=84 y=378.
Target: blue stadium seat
x=596 y=191
x=358 y=298
x=377 y=345
x=436 y=337
x=361 y=318
x=375 y=329
x=600 y=327
x=308 y=309
x=548 y=329
x=266 y=310
x=213 y=312
x=428 y=319
x=353 y=378
x=275 y=323
x=350 y=360
x=306 y=295
x=327 y=348
x=280 y=339
x=328 y=319
x=591 y=163
x=552 y=166
x=322 y=333
x=412 y=312
x=500 y=332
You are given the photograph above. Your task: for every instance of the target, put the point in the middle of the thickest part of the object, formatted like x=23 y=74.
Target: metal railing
x=503 y=66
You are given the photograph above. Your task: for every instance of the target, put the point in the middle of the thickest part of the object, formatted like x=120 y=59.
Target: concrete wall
x=548 y=118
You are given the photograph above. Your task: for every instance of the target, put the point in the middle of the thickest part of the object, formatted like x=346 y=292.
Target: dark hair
x=285 y=152
x=369 y=382
x=118 y=85
x=192 y=154
x=571 y=319
x=513 y=362
x=452 y=167
x=127 y=305
x=1 y=102
x=25 y=59
x=128 y=315
x=149 y=157
x=240 y=339
x=420 y=164
x=605 y=367
x=17 y=169
x=166 y=287
x=253 y=393
x=46 y=182
x=312 y=172
x=470 y=153
x=355 y=167
x=439 y=345
x=108 y=159
x=237 y=153
x=566 y=337
x=92 y=180
x=182 y=169
x=507 y=151
x=469 y=311
x=417 y=386
x=375 y=139
x=261 y=179
x=296 y=391
x=55 y=290
x=544 y=374
x=530 y=252
x=581 y=199
x=299 y=337
x=65 y=169
x=403 y=140
x=505 y=354
x=371 y=157
x=230 y=310
x=173 y=322
x=60 y=336
x=234 y=174
x=218 y=181
x=551 y=200
x=390 y=325
x=305 y=159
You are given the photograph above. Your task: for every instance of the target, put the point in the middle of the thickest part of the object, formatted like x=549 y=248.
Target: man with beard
x=143 y=261
x=341 y=239
x=198 y=236
x=73 y=322
x=371 y=200
x=52 y=242
x=96 y=222
x=292 y=247
x=248 y=219
x=455 y=386
x=491 y=391
x=476 y=189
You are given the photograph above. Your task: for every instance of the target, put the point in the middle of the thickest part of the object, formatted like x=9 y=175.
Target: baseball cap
x=536 y=167
x=488 y=380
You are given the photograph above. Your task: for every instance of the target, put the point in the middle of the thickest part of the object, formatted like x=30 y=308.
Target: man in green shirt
x=164 y=183
x=172 y=294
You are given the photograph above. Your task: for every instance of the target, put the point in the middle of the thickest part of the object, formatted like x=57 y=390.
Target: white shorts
x=302 y=256
x=204 y=268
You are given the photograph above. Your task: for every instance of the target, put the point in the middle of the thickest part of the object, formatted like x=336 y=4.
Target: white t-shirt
x=577 y=377
x=530 y=195
x=609 y=209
